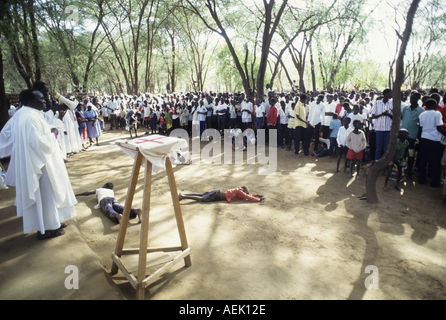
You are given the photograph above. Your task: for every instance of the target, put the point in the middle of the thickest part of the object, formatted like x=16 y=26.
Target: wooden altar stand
x=141 y=282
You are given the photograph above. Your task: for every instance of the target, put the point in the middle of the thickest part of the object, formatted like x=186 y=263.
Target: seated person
x=398 y=158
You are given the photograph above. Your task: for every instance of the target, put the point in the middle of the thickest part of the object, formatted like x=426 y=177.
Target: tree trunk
x=372 y=196
x=313 y=74
x=268 y=34
x=3 y=101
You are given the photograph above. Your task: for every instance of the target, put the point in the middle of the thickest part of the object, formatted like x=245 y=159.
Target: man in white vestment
x=73 y=139
x=44 y=196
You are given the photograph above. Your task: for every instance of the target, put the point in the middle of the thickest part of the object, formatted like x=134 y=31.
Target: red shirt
x=238 y=193
x=338 y=109
x=272 y=116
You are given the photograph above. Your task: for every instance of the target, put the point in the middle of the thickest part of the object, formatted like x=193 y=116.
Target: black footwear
x=50 y=234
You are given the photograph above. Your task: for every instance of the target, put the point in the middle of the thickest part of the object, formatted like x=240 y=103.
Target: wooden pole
x=177 y=208
x=127 y=208
x=144 y=230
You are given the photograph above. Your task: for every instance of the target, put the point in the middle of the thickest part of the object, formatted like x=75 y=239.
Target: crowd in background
x=338 y=124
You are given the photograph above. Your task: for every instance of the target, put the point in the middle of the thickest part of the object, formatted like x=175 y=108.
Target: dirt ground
x=312 y=238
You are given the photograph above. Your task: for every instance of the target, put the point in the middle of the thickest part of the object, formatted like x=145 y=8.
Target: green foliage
x=127 y=45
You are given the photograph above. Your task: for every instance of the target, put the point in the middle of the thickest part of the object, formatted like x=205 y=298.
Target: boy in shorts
x=356 y=143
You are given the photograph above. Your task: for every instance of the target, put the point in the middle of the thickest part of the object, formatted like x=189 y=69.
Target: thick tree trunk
x=372 y=196
x=3 y=101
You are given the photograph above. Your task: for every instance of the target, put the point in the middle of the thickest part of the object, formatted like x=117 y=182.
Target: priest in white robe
x=72 y=138
x=44 y=196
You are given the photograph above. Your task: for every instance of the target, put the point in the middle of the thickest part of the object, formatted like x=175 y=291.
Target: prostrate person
x=109 y=205
x=229 y=195
x=44 y=196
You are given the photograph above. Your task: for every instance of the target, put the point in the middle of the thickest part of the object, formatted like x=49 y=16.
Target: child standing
x=356 y=143
x=341 y=140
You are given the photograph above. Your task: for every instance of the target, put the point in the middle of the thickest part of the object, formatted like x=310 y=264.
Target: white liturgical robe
x=44 y=196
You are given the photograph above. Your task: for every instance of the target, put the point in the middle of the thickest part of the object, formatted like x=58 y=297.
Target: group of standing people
x=353 y=125
x=349 y=124
x=43 y=132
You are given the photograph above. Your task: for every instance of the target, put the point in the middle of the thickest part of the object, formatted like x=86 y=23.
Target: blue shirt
x=410 y=120
x=335 y=124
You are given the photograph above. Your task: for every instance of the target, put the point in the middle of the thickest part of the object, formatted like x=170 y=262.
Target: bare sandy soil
x=312 y=238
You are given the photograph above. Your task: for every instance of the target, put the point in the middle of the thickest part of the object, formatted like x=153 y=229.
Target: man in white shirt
x=105 y=111
x=232 y=114
x=109 y=205
x=282 y=124
x=221 y=112
x=316 y=118
x=247 y=109
x=202 y=112
x=431 y=149
x=330 y=110
x=112 y=106
x=260 y=114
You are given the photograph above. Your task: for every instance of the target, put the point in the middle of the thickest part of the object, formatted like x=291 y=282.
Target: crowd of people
x=354 y=126
x=324 y=120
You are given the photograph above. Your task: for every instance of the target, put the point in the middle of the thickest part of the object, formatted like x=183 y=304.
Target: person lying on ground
x=220 y=195
x=109 y=205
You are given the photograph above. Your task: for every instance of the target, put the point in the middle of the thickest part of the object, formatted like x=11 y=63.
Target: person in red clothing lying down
x=220 y=195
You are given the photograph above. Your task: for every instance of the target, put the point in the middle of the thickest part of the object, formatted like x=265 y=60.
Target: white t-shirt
x=283 y=115
x=232 y=112
x=260 y=111
x=354 y=117
x=246 y=116
x=112 y=105
x=342 y=136
x=202 y=117
x=104 y=110
x=329 y=108
x=102 y=193
x=317 y=113
x=429 y=121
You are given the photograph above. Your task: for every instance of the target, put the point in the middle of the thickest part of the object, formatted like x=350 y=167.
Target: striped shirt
x=383 y=123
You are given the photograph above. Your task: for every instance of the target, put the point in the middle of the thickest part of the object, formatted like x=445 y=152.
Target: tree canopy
x=137 y=46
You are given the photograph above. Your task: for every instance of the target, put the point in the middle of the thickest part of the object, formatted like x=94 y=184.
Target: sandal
x=63 y=225
x=50 y=234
